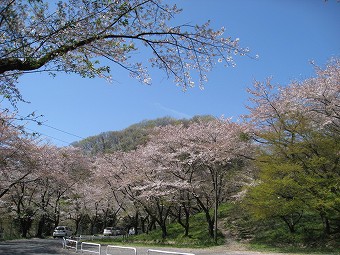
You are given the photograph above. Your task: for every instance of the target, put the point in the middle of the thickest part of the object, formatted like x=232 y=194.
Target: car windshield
x=59 y=228
x=108 y=228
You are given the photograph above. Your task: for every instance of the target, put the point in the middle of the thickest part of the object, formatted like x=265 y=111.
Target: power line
x=43 y=124
x=62 y=131
x=68 y=143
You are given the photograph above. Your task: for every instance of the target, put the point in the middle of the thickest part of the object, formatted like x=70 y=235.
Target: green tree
x=298 y=176
x=297 y=128
x=278 y=193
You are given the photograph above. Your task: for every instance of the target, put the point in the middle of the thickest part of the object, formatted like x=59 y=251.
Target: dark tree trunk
x=326 y=224
x=151 y=225
x=164 y=231
x=25 y=225
x=292 y=220
x=208 y=218
x=136 y=222
x=210 y=222
x=143 y=221
x=184 y=222
x=77 y=221
x=41 y=225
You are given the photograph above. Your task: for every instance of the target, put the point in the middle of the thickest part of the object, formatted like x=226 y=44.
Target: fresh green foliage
x=297 y=174
x=298 y=157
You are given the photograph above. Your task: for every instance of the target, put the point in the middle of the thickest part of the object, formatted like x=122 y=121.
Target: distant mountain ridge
x=128 y=138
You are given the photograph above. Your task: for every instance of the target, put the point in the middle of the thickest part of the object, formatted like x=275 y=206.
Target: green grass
x=268 y=236
x=280 y=240
x=273 y=235
x=295 y=249
x=198 y=235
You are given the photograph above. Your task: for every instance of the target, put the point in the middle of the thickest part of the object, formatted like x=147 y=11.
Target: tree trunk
x=208 y=218
x=184 y=223
x=210 y=224
x=326 y=224
x=136 y=222
x=143 y=220
x=151 y=225
x=41 y=225
x=25 y=225
x=56 y=215
x=216 y=206
x=292 y=220
x=77 y=221
x=164 y=231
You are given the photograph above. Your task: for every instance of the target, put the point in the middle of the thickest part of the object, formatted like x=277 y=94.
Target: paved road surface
x=32 y=247
x=54 y=247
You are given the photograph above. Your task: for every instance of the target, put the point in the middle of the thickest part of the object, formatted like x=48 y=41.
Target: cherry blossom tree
x=21 y=198
x=132 y=177
x=16 y=155
x=179 y=168
x=38 y=196
x=24 y=196
x=109 y=177
x=156 y=190
x=102 y=203
x=60 y=169
x=19 y=171
x=198 y=158
x=316 y=98
x=49 y=183
x=82 y=36
x=170 y=177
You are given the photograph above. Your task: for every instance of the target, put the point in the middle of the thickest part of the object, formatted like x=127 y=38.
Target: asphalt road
x=54 y=247
x=33 y=247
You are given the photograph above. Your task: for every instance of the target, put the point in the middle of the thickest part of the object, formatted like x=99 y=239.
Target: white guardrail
x=69 y=243
x=109 y=248
x=168 y=252
x=90 y=247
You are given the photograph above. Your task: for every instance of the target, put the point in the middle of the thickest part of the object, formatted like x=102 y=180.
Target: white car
x=62 y=231
x=109 y=231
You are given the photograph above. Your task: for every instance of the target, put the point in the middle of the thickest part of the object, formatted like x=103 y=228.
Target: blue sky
x=287 y=35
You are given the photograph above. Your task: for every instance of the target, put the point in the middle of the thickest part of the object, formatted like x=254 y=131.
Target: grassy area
x=273 y=235
x=269 y=236
x=279 y=240
x=198 y=235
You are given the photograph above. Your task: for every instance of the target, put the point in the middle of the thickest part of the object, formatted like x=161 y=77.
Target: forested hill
x=128 y=138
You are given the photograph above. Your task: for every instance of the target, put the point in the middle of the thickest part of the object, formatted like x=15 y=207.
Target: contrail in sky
x=173 y=112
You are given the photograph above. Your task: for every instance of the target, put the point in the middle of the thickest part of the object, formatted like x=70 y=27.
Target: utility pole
x=216 y=207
